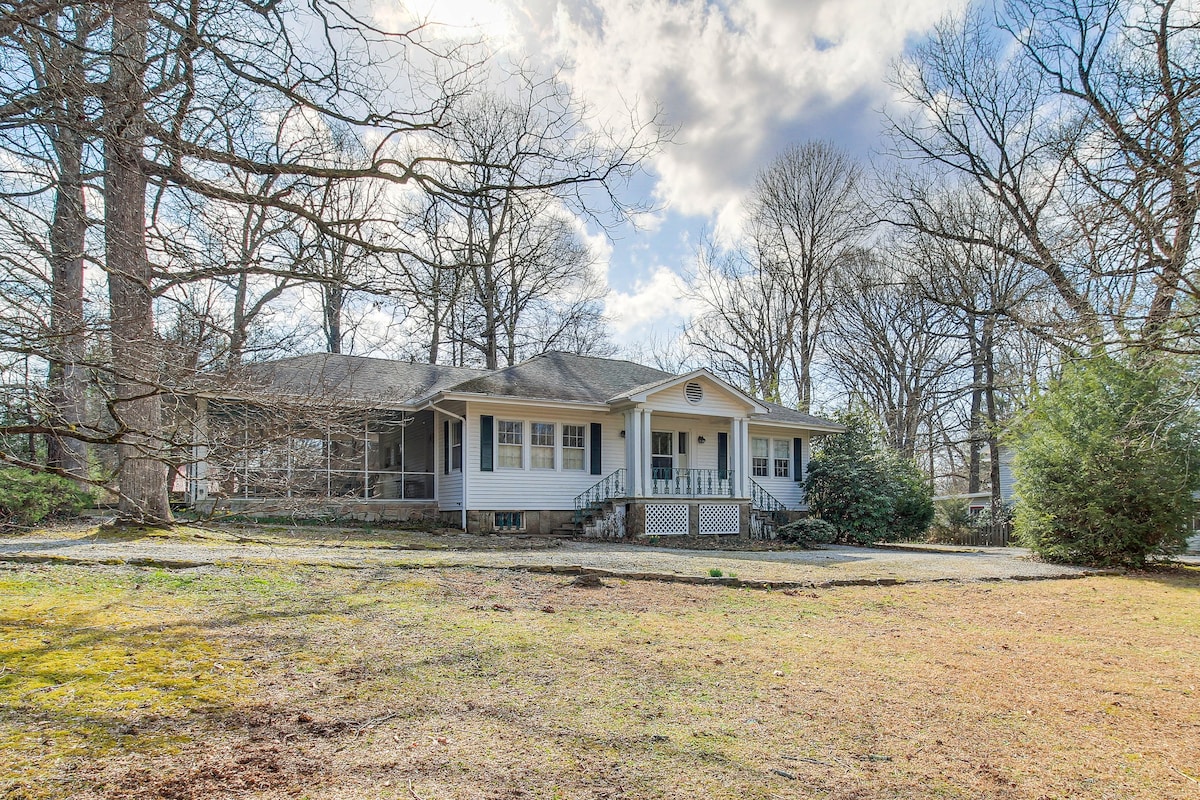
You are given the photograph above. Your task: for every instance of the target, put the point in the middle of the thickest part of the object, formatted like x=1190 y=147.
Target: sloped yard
x=273 y=682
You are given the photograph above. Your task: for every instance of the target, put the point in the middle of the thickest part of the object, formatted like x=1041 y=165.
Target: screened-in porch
x=384 y=456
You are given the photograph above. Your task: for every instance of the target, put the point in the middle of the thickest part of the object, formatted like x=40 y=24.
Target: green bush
x=807 y=532
x=27 y=498
x=1105 y=462
x=864 y=489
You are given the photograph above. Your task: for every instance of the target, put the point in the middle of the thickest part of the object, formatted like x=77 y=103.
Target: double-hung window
x=760 y=450
x=510 y=444
x=456 y=446
x=541 y=445
x=572 y=446
x=782 y=450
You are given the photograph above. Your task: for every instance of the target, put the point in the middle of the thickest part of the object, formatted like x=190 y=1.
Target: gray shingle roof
x=791 y=416
x=564 y=377
x=338 y=377
x=554 y=376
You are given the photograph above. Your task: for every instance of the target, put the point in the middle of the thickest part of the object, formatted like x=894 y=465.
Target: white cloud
x=737 y=81
x=659 y=300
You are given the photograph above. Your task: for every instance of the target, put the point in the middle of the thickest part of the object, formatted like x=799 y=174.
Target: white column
x=743 y=473
x=737 y=444
x=647 y=450
x=735 y=450
x=198 y=487
x=466 y=461
x=633 y=452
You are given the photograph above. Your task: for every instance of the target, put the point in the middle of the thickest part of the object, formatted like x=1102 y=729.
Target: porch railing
x=612 y=485
x=302 y=483
x=691 y=482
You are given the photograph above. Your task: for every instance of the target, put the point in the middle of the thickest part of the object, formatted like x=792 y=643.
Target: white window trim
x=555 y=445
x=791 y=459
x=527 y=445
x=497 y=444
x=558 y=440
x=790 y=467
x=458 y=432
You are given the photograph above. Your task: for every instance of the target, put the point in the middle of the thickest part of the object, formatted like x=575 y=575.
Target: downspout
x=463 y=444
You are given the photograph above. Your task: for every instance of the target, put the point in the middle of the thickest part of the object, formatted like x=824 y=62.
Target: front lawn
x=119 y=682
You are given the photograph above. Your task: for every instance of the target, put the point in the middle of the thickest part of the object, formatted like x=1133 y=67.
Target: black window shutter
x=797 y=453
x=486 y=443
x=722 y=455
x=446 y=447
x=595 y=444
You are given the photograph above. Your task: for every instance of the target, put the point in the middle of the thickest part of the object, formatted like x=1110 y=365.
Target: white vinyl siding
x=786 y=490
x=717 y=401
x=539 y=489
x=449 y=487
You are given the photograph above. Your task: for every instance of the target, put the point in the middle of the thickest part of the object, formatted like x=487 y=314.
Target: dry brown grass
x=126 y=683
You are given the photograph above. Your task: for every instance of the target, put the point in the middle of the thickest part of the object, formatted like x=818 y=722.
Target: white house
x=560 y=442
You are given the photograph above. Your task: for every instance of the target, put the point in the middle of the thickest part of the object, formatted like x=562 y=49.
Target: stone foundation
x=539 y=523
x=331 y=510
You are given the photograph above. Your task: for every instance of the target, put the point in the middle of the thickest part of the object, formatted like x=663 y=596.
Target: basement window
x=508 y=521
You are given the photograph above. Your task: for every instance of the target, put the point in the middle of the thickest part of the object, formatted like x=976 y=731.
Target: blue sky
x=738 y=80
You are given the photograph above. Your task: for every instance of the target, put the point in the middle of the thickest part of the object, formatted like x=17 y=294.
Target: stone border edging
x=542 y=569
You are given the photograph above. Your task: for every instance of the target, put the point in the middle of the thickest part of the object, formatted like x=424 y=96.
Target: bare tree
x=527 y=283
x=1084 y=135
x=892 y=349
x=745 y=329
x=986 y=295
x=807 y=217
x=185 y=98
x=52 y=57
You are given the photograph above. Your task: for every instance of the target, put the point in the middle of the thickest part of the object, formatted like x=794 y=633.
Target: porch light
x=622 y=434
x=699 y=440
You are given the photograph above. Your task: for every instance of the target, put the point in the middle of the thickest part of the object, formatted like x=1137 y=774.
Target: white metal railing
x=666 y=482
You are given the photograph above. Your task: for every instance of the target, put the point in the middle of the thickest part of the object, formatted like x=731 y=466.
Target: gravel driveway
x=830 y=566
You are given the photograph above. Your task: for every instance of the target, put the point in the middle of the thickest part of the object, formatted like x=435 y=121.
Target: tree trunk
x=137 y=354
x=68 y=377
x=975 y=441
x=992 y=412
x=335 y=298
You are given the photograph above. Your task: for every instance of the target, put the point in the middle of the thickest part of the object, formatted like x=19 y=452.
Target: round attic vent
x=694 y=392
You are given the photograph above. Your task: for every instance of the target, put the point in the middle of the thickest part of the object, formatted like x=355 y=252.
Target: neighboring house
x=559 y=442
x=978 y=501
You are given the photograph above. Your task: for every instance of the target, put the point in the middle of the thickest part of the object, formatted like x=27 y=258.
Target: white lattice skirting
x=664 y=520
x=720 y=519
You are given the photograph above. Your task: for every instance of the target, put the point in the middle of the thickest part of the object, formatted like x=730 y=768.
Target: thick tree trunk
x=975 y=434
x=987 y=350
x=136 y=351
x=68 y=378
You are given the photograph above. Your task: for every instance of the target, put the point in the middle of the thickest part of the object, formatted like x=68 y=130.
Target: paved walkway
x=827 y=567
